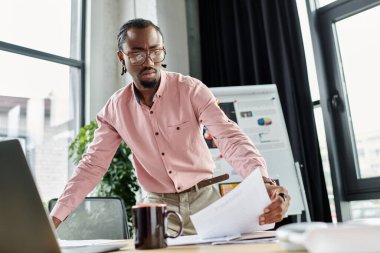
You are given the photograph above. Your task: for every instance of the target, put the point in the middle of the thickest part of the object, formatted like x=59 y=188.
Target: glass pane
x=359 y=42
x=365 y=209
x=44 y=25
x=308 y=47
x=322 y=3
x=325 y=159
x=38 y=104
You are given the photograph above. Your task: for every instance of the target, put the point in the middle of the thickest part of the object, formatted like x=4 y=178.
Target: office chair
x=95 y=218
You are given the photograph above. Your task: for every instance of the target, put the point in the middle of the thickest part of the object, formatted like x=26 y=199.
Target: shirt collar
x=162 y=86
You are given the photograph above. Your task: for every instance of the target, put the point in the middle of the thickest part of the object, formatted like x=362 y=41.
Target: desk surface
x=227 y=248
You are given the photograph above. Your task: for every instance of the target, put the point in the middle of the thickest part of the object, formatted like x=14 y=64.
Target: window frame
x=343 y=164
x=327 y=70
x=353 y=188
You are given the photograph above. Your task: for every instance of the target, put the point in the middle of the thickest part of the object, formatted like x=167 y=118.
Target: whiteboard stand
x=303 y=194
x=258 y=112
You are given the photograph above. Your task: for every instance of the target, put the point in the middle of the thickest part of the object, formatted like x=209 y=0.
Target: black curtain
x=245 y=42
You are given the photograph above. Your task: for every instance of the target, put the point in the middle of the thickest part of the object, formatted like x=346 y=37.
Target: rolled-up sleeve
x=92 y=167
x=237 y=148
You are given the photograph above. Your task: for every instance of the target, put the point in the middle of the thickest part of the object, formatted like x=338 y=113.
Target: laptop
x=24 y=222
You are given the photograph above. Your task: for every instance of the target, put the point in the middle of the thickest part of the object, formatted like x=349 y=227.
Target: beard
x=149 y=84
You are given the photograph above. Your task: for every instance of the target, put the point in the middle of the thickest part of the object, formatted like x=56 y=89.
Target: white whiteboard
x=257 y=111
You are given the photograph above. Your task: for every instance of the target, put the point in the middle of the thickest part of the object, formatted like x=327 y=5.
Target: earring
x=123 y=70
x=163 y=65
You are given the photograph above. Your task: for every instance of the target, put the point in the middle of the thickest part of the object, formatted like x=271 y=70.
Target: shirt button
x=177 y=128
x=162 y=153
x=170 y=172
x=156 y=133
x=151 y=112
x=178 y=188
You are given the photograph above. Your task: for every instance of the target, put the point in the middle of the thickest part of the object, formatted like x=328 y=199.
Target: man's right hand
x=56 y=221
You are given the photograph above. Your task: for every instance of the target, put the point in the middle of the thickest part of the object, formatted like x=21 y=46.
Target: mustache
x=146 y=69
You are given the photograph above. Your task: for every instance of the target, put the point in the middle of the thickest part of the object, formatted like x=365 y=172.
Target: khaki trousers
x=185 y=204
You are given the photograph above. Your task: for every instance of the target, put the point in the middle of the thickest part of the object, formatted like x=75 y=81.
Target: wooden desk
x=207 y=248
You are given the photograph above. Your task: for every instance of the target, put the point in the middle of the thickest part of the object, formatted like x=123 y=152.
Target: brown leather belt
x=207 y=182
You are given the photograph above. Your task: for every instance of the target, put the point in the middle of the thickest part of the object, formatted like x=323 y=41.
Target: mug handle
x=167 y=213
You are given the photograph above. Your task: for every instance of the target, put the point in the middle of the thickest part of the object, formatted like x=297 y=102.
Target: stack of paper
x=256 y=237
x=237 y=212
x=233 y=218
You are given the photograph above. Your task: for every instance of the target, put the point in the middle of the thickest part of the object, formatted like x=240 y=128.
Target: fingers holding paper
x=276 y=210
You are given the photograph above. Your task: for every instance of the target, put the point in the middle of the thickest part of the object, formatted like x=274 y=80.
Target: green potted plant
x=120 y=179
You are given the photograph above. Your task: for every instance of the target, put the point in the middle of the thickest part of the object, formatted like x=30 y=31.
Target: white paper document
x=254 y=241
x=255 y=237
x=79 y=243
x=196 y=239
x=235 y=213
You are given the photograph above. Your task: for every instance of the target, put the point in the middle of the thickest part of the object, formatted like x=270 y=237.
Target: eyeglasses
x=139 y=57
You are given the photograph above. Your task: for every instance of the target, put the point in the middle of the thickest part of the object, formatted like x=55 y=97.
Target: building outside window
x=41 y=80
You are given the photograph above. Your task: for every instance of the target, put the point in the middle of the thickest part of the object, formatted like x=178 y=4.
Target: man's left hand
x=277 y=209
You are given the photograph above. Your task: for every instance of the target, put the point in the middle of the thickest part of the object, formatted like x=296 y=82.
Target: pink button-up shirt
x=169 y=151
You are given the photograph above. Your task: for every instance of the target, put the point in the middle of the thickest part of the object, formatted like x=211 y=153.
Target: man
x=159 y=115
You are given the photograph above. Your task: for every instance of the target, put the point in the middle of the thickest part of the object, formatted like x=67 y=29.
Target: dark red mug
x=150 y=225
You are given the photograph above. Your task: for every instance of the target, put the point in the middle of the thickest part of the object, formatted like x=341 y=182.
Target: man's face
x=147 y=75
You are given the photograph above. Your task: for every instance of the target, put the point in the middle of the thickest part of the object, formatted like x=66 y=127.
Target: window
x=44 y=25
x=315 y=96
x=345 y=38
x=359 y=46
x=350 y=53
x=325 y=159
x=41 y=62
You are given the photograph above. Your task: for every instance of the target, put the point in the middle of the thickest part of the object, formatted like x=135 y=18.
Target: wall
x=102 y=66
x=171 y=16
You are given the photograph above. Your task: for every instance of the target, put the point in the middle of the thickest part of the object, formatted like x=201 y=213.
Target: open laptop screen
x=24 y=222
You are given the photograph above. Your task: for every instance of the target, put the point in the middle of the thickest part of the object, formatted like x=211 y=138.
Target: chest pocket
x=181 y=135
